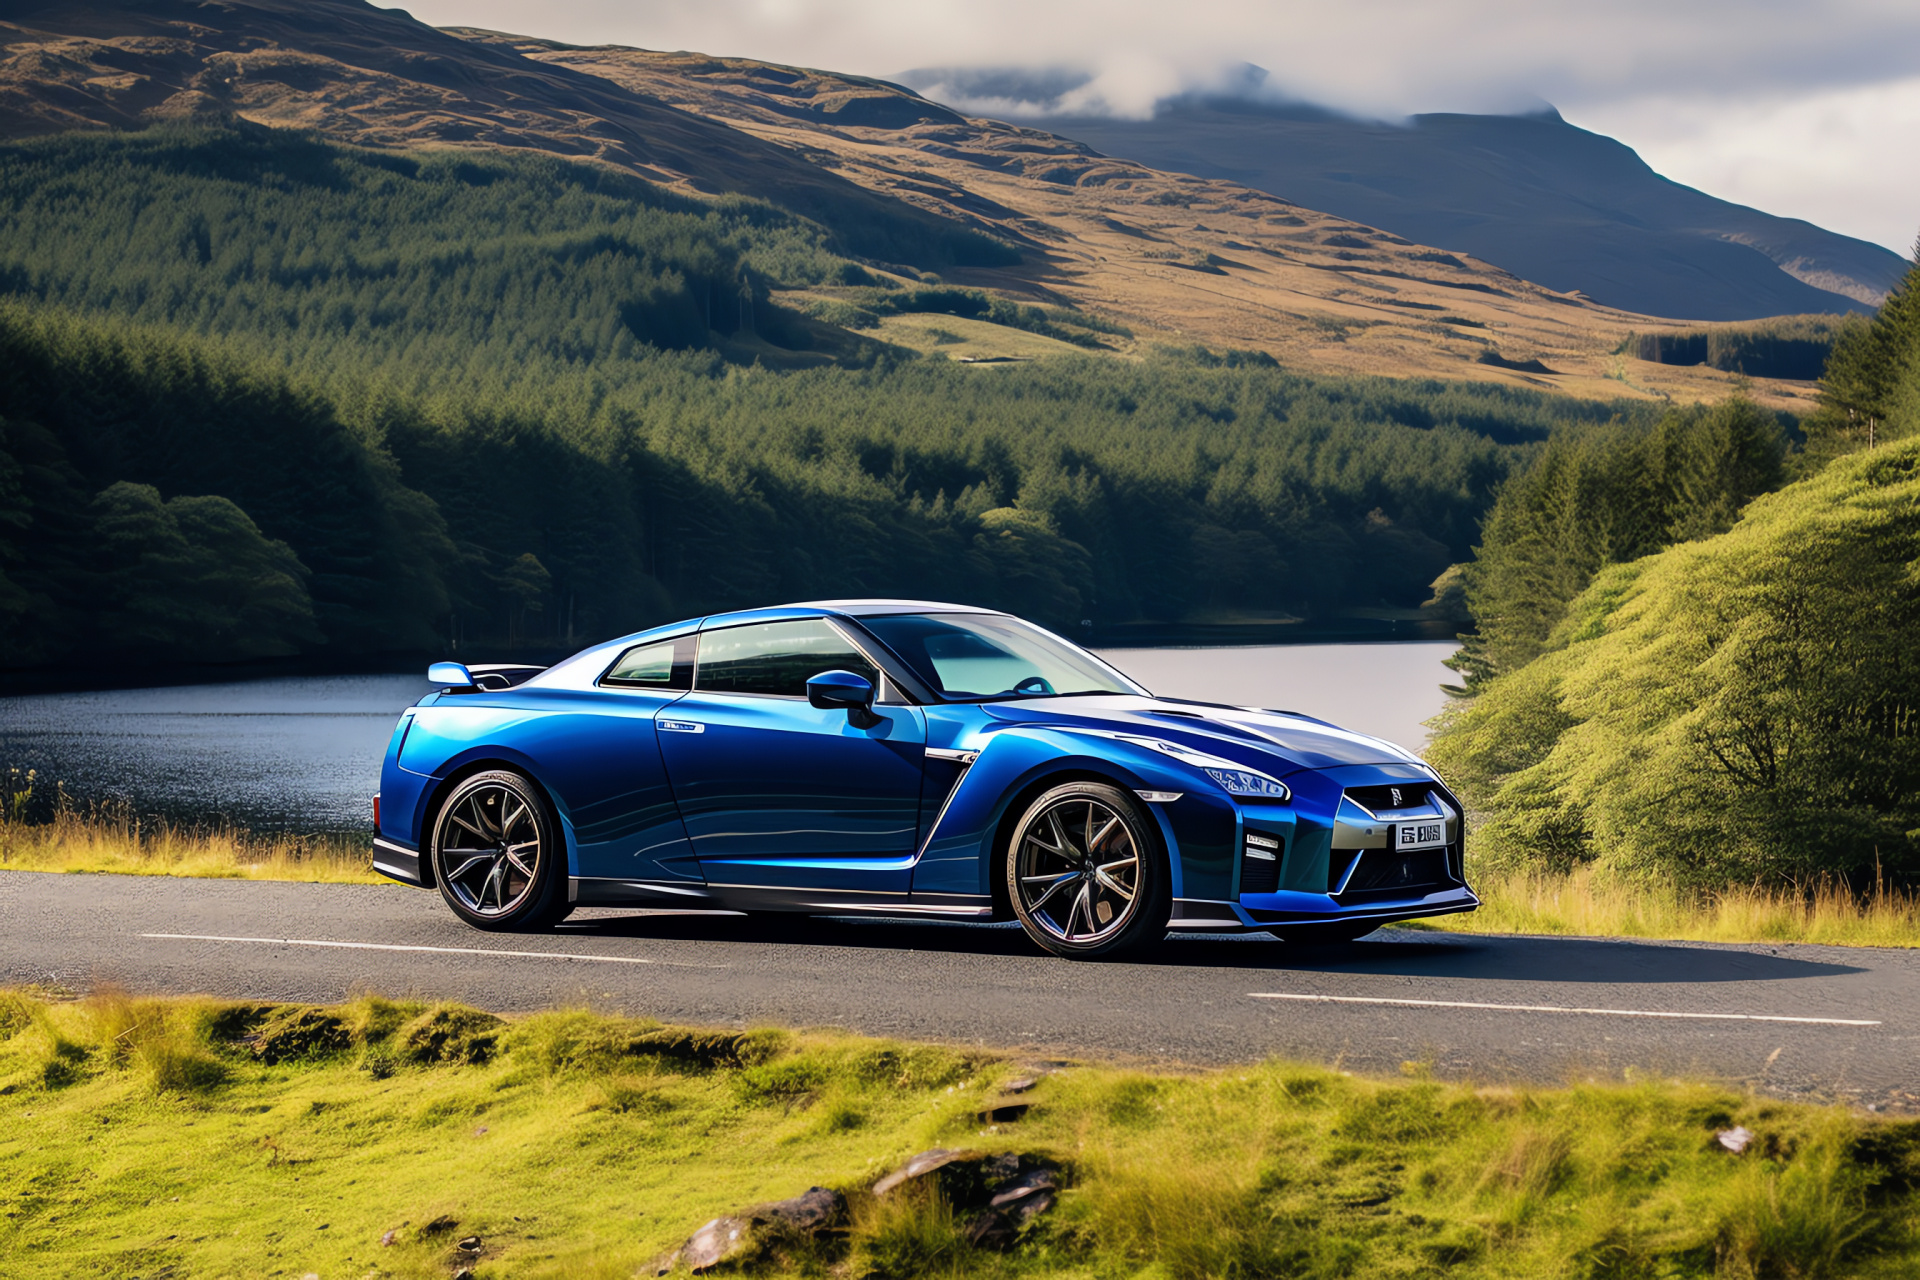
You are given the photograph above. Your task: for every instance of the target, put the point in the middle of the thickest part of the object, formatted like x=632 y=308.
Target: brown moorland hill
x=1175 y=258
x=378 y=78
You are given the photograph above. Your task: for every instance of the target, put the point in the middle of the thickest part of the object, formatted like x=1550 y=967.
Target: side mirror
x=452 y=675
x=844 y=689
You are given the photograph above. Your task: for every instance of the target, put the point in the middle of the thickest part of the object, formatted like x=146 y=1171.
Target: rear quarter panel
x=593 y=751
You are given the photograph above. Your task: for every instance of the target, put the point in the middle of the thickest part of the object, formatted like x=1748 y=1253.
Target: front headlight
x=1242 y=782
x=1226 y=775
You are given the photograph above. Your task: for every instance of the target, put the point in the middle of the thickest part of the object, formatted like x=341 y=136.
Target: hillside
x=1172 y=255
x=375 y=77
x=903 y=184
x=262 y=395
x=1556 y=204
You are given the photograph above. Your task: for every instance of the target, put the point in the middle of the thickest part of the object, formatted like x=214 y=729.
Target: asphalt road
x=1825 y=1022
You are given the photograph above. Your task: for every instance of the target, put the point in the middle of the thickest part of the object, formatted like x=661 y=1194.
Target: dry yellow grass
x=104 y=840
x=1578 y=904
x=1584 y=904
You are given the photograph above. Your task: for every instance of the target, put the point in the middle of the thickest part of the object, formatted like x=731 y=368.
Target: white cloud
x=1839 y=158
x=1802 y=107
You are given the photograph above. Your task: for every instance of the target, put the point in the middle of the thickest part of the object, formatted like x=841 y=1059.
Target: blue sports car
x=902 y=758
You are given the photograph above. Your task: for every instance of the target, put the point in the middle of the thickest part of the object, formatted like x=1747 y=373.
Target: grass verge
x=1578 y=903
x=1581 y=903
x=191 y=1137
x=107 y=840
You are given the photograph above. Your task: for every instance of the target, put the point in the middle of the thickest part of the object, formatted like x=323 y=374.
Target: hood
x=1274 y=742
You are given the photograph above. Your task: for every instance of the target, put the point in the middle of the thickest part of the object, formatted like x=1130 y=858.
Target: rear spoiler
x=458 y=677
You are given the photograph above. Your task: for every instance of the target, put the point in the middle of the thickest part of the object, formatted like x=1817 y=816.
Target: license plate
x=1420 y=835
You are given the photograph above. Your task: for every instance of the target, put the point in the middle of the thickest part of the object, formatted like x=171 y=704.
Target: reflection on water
x=300 y=752
x=304 y=752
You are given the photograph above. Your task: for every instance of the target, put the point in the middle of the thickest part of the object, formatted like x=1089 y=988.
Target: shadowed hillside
x=376 y=77
x=1553 y=203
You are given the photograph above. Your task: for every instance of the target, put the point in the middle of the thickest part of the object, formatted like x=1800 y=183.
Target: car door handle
x=680 y=726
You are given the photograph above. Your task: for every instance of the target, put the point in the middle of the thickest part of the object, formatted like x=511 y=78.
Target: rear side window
x=775 y=658
x=664 y=664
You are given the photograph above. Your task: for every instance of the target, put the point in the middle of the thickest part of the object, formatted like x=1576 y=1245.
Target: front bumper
x=1258 y=911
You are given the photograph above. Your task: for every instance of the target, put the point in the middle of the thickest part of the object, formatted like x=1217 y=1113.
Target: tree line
x=1683 y=669
x=504 y=402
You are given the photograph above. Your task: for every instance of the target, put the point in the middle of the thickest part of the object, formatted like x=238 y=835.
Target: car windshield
x=976 y=656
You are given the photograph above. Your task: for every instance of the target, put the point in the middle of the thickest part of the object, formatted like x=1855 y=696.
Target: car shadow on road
x=1391 y=953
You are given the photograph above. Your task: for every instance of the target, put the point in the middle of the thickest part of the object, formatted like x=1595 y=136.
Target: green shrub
x=1737 y=708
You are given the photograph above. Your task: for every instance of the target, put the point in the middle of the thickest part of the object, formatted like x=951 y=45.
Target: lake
x=303 y=753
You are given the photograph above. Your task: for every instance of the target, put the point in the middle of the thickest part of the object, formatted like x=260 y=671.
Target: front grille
x=1413 y=795
x=1384 y=871
x=1260 y=863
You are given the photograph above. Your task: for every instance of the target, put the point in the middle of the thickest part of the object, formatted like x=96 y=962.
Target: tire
x=497 y=854
x=1073 y=905
x=1324 y=935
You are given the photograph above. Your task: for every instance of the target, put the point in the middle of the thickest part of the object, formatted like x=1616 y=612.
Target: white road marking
x=448 y=951
x=1554 y=1008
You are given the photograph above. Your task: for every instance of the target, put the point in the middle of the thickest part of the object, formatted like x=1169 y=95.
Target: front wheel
x=1086 y=874
x=497 y=855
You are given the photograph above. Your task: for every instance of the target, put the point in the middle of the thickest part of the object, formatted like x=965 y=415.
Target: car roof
x=880 y=608
x=840 y=608
x=596 y=656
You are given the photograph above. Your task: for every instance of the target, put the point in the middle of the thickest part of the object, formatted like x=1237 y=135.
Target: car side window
x=775 y=658
x=664 y=664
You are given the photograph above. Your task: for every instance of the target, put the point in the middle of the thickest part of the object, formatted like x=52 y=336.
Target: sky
x=1803 y=108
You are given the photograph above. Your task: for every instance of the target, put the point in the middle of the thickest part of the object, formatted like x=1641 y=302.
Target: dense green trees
x=87 y=405
x=1604 y=496
x=1785 y=347
x=1740 y=705
x=1870 y=391
x=1743 y=706
x=440 y=260
x=194 y=576
x=518 y=401
x=1078 y=489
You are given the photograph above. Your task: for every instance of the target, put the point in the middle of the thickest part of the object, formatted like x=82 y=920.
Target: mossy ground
x=188 y=1137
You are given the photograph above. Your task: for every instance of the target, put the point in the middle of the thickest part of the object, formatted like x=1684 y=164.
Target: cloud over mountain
x=1673 y=80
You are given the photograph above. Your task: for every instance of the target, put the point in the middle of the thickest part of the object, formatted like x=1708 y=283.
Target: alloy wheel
x=492 y=846
x=1078 y=872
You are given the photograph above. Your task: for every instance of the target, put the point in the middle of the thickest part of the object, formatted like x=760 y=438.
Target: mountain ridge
x=904 y=182
x=1552 y=202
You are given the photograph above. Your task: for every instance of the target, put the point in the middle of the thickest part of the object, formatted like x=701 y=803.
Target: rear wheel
x=497 y=854
x=1086 y=874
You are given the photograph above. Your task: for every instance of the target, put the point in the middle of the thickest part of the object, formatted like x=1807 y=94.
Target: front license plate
x=1420 y=835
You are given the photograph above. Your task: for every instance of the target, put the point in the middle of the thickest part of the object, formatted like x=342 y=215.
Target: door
x=776 y=793
x=608 y=770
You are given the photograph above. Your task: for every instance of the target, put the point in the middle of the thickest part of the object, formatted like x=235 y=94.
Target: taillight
x=376 y=811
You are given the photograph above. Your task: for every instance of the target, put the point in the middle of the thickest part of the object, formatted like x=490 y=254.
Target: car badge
x=1396 y=796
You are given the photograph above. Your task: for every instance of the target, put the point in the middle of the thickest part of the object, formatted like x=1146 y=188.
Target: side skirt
x=592 y=892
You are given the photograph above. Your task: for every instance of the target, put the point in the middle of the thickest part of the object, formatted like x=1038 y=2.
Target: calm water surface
x=304 y=752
